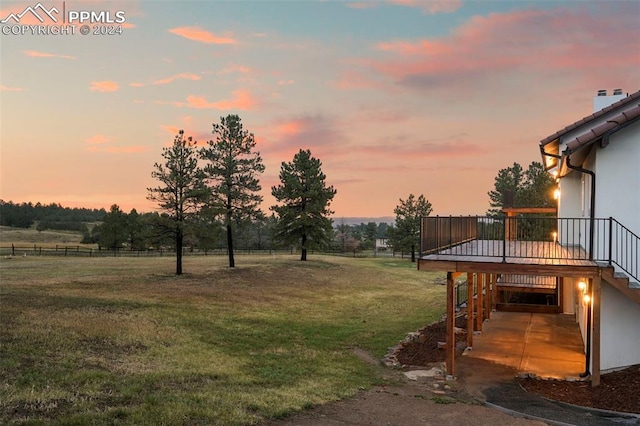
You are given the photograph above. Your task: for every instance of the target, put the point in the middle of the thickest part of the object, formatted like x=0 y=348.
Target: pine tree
x=231 y=175
x=406 y=233
x=303 y=215
x=514 y=187
x=181 y=191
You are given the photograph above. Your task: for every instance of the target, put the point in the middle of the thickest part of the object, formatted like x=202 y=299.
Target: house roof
x=628 y=111
x=611 y=125
x=622 y=102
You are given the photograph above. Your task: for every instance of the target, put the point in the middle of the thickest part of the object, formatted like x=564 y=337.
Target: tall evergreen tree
x=406 y=233
x=113 y=230
x=303 y=215
x=181 y=191
x=231 y=173
x=515 y=187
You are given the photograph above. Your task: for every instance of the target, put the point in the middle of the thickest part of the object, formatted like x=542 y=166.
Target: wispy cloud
x=242 y=100
x=36 y=54
x=320 y=133
x=516 y=44
x=4 y=88
x=181 y=76
x=201 y=35
x=234 y=68
x=104 y=86
x=97 y=139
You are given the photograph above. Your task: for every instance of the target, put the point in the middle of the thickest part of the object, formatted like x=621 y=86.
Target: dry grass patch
x=108 y=340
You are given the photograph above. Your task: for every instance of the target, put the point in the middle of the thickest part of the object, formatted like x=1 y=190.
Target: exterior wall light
x=556 y=194
x=582 y=285
x=586 y=298
x=554 y=235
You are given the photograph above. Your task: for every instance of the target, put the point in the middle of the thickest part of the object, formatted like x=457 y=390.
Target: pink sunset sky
x=394 y=97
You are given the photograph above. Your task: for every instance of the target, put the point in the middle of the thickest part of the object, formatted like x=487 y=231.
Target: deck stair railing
x=540 y=237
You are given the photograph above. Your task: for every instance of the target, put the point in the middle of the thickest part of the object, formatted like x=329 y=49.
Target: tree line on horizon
x=209 y=194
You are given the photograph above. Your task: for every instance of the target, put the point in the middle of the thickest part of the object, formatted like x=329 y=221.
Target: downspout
x=592 y=217
x=592 y=213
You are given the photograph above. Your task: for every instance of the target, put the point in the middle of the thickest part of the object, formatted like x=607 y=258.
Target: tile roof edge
x=615 y=105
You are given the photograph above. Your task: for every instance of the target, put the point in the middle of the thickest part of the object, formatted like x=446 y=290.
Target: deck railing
x=542 y=237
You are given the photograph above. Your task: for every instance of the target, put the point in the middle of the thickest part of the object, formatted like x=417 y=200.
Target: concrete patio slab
x=548 y=345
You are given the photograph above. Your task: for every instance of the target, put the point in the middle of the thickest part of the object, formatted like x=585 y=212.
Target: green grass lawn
x=122 y=340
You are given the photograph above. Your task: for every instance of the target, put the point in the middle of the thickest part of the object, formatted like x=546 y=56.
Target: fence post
x=13 y=250
x=65 y=251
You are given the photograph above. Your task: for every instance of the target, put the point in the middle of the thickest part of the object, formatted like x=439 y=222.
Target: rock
x=415 y=374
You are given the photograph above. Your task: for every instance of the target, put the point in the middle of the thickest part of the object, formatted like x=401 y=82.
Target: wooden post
x=451 y=324
x=470 y=289
x=480 y=303
x=560 y=293
x=489 y=298
x=512 y=227
x=595 y=338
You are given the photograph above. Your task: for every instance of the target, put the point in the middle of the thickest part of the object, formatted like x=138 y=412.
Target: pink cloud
x=181 y=76
x=104 y=86
x=201 y=35
x=171 y=129
x=285 y=82
x=241 y=100
x=4 y=88
x=430 y=6
x=97 y=139
x=578 y=43
x=319 y=133
x=135 y=84
x=36 y=54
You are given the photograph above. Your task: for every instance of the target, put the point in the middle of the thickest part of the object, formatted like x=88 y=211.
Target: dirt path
x=424 y=401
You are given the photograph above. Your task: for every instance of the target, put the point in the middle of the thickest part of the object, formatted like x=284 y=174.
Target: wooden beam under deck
x=451 y=324
x=480 y=300
x=525 y=289
x=586 y=271
x=470 y=291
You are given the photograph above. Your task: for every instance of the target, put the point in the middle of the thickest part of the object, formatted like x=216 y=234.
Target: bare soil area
x=437 y=401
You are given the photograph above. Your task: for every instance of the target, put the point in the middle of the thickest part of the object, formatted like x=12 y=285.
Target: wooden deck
x=520 y=257
x=519 y=252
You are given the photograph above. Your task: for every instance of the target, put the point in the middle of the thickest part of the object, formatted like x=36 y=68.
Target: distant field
x=19 y=236
x=122 y=340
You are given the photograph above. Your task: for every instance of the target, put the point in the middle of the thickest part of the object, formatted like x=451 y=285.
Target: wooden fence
x=82 y=251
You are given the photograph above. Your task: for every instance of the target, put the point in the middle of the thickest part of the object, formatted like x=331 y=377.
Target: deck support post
x=487 y=296
x=595 y=338
x=480 y=304
x=470 y=325
x=451 y=324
